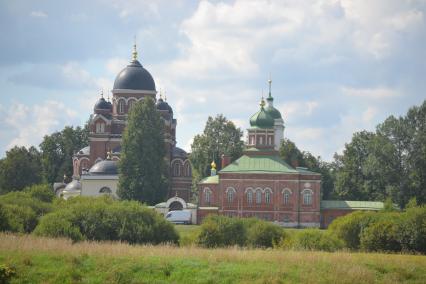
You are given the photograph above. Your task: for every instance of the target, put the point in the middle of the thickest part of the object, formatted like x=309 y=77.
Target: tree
x=293 y=156
x=58 y=149
x=143 y=173
x=19 y=169
x=220 y=136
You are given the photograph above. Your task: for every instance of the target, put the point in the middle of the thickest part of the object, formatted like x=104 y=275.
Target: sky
x=337 y=66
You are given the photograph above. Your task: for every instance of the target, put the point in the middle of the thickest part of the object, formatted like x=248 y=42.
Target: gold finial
x=165 y=97
x=135 y=52
x=102 y=93
x=161 y=94
x=262 y=102
x=213 y=165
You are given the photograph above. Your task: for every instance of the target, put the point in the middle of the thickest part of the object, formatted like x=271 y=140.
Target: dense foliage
x=390 y=162
x=57 y=150
x=143 y=171
x=221 y=231
x=21 y=211
x=383 y=231
x=220 y=136
x=104 y=218
x=19 y=169
x=310 y=239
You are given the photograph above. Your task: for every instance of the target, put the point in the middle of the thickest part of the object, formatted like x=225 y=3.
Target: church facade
x=97 y=163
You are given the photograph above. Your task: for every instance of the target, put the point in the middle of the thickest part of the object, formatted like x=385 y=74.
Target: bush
x=348 y=228
x=412 y=229
x=263 y=234
x=220 y=231
x=22 y=210
x=311 y=239
x=42 y=192
x=104 y=218
x=381 y=236
x=6 y=273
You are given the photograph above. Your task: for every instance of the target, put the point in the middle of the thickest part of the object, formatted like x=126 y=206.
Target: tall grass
x=44 y=260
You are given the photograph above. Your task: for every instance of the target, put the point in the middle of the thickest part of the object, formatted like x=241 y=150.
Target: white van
x=179 y=217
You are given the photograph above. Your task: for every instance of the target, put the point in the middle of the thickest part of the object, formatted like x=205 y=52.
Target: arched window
x=131 y=103
x=261 y=140
x=258 y=196
x=230 y=193
x=251 y=142
x=105 y=190
x=176 y=169
x=267 y=197
x=187 y=169
x=207 y=195
x=307 y=196
x=249 y=197
x=121 y=104
x=286 y=196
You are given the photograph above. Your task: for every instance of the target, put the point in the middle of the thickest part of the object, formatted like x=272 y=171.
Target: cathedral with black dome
x=95 y=166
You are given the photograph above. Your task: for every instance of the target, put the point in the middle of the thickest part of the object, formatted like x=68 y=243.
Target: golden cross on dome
x=135 y=52
x=213 y=165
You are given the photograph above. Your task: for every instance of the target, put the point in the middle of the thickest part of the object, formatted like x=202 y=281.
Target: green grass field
x=43 y=260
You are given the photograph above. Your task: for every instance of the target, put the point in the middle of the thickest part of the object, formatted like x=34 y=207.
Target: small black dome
x=105 y=167
x=162 y=105
x=134 y=77
x=103 y=104
x=179 y=153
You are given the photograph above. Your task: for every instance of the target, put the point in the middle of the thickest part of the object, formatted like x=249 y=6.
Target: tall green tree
x=20 y=168
x=143 y=172
x=220 y=136
x=58 y=149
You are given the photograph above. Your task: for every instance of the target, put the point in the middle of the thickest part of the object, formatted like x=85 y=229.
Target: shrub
x=348 y=228
x=311 y=239
x=42 y=192
x=263 y=234
x=104 y=218
x=6 y=273
x=22 y=210
x=412 y=229
x=219 y=231
x=381 y=236
x=4 y=220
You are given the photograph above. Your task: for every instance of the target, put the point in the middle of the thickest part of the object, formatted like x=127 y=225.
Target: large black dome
x=134 y=77
x=105 y=167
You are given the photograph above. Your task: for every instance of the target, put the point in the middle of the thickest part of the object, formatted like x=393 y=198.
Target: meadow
x=46 y=260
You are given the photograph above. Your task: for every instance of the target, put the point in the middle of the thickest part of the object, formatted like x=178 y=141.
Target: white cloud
x=370 y=93
x=26 y=125
x=38 y=14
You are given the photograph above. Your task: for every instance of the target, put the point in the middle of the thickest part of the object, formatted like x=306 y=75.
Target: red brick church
x=261 y=184
x=109 y=118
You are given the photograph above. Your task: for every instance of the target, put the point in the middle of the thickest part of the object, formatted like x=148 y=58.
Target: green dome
x=273 y=112
x=262 y=119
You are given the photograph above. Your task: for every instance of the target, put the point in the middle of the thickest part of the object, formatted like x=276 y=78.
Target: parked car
x=179 y=217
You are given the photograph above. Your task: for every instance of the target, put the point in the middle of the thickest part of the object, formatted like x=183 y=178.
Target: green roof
x=259 y=164
x=210 y=180
x=262 y=119
x=351 y=205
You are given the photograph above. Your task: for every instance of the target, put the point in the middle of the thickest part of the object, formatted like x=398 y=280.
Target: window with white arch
x=307 y=196
x=176 y=169
x=267 y=196
x=249 y=197
x=230 y=194
x=207 y=195
x=120 y=107
x=286 y=196
x=258 y=196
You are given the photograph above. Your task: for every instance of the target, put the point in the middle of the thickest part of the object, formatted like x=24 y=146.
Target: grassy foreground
x=43 y=260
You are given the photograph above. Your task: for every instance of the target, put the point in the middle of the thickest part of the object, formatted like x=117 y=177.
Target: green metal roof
x=262 y=119
x=210 y=180
x=351 y=205
x=259 y=164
